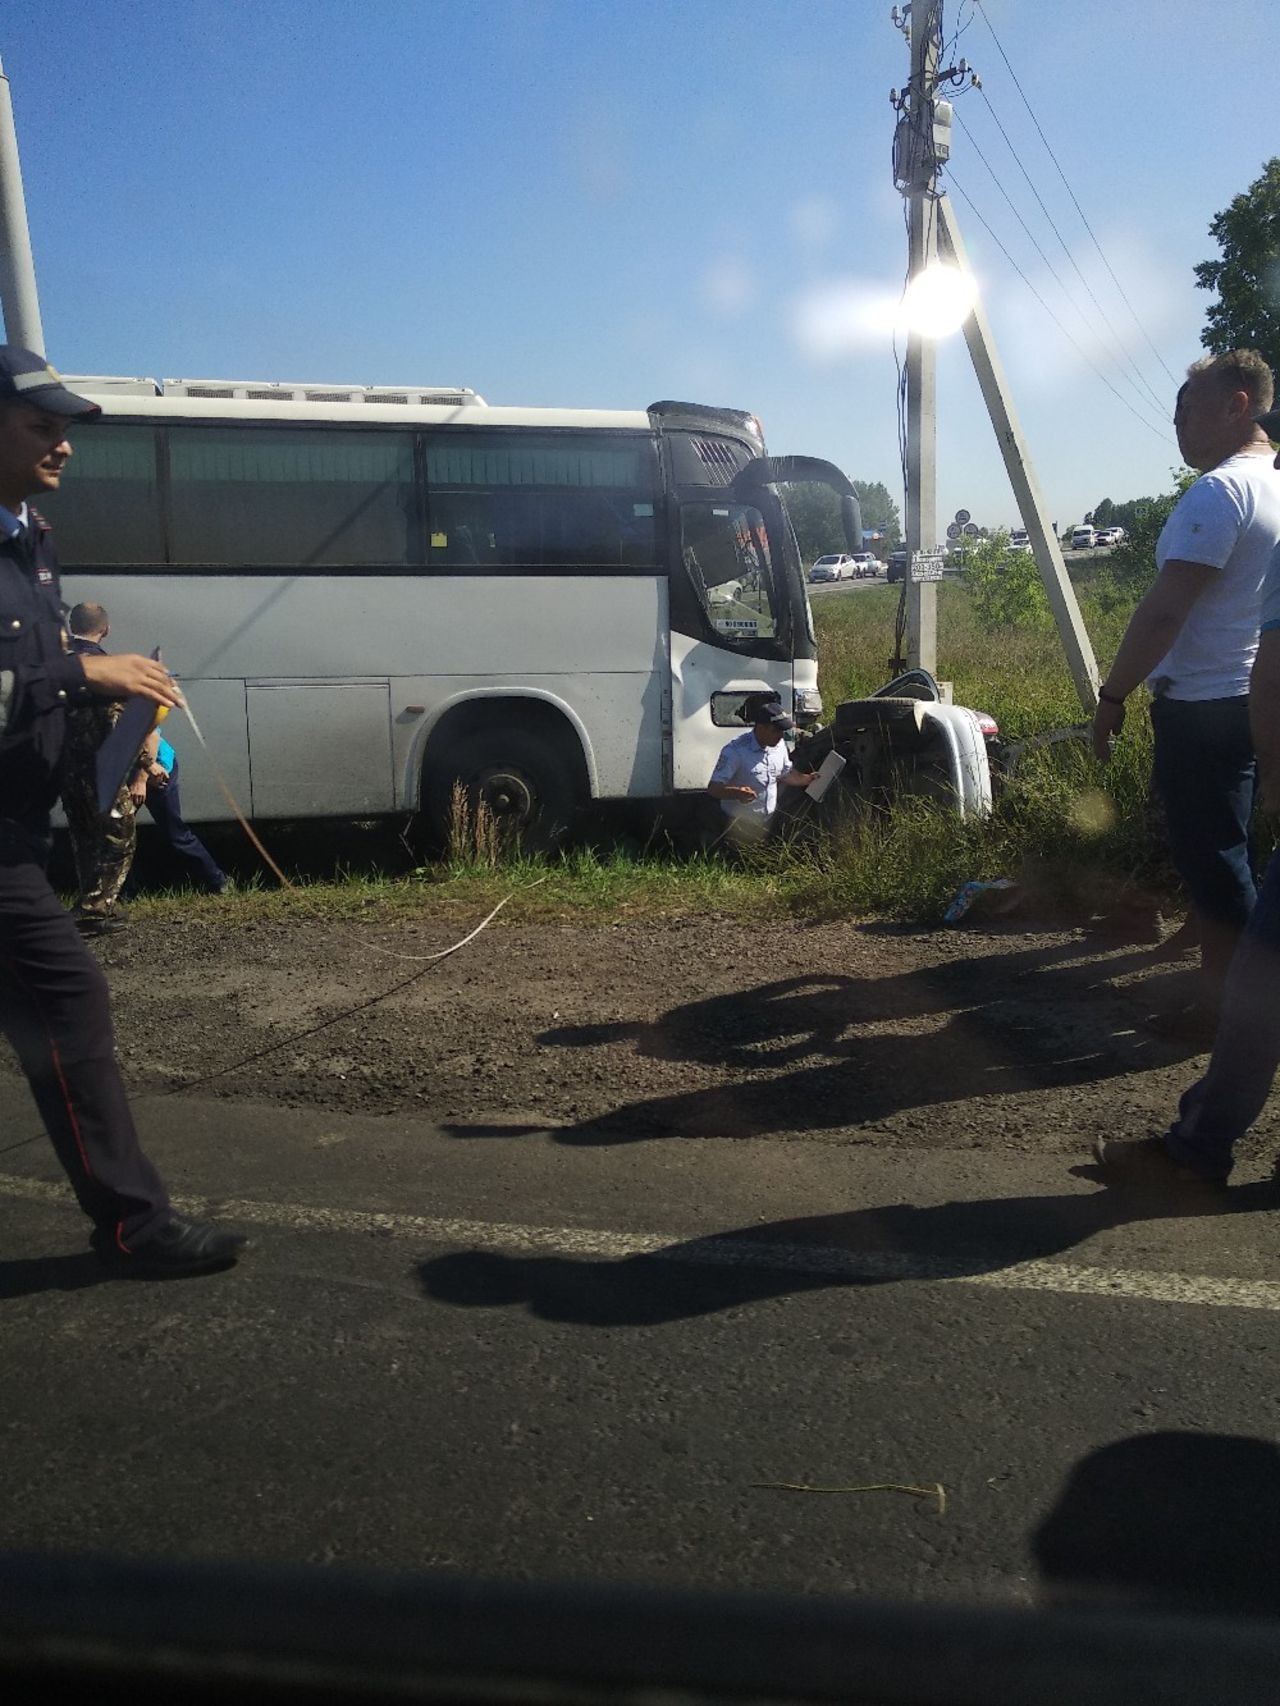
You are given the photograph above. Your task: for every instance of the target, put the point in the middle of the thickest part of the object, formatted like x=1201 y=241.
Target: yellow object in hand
x=162 y=711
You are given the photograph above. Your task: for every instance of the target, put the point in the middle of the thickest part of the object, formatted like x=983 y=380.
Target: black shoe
x=1184 y=940
x=1196 y=1024
x=100 y=923
x=177 y=1247
x=1147 y=1161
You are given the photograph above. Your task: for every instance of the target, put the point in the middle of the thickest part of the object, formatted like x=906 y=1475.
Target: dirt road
x=700 y=1028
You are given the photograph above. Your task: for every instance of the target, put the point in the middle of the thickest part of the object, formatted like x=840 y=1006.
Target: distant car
x=865 y=563
x=840 y=566
x=728 y=592
x=1108 y=535
x=1083 y=539
x=1020 y=540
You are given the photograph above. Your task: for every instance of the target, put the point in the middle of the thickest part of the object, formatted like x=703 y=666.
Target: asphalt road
x=830 y=589
x=826 y=589
x=514 y=1358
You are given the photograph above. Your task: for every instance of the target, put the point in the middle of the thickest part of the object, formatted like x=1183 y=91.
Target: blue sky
x=584 y=202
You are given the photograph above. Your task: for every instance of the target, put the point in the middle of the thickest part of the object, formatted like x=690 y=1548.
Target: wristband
x=1109 y=698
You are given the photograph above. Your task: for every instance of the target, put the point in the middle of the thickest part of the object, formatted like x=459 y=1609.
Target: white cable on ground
x=425 y=961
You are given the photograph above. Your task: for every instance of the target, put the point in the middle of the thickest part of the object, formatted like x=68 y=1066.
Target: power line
x=1053 y=272
x=1081 y=352
x=963 y=25
x=1075 y=203
x=1066 y=249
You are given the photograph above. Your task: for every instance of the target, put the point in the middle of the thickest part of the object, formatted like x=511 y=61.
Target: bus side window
x=559 y=501
x=297 y=497
x=460 y=531
x=108 y=508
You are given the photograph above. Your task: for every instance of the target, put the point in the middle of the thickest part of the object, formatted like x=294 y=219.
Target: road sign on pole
x=926 y=566
x=962 y=515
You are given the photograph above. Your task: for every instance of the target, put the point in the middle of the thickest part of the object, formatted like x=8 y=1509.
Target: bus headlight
x=807 y=704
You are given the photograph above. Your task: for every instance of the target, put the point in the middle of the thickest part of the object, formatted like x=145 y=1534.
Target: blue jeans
x=1218 y=1110
x=1204 y=771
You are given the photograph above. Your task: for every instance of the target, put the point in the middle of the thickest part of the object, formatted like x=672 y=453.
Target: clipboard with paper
x=827 y=772
x=118 y=754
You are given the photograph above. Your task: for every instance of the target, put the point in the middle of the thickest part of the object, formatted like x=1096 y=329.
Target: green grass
x=1079 y=832
x=581 y=886
x=1073 y=824
x=1019 y=675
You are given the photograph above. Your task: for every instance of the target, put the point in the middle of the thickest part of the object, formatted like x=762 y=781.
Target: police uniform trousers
x=54 y=1010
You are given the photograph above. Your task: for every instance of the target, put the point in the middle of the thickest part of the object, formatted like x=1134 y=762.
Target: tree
x=1131 y=567
x=879 y=510
x=815 y=515
x=1247 y=277
x=1005 y=585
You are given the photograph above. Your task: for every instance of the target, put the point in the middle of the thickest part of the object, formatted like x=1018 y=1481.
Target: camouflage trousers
x=103 y=846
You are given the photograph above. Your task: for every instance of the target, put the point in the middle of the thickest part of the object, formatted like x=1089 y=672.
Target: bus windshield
x=725 y=549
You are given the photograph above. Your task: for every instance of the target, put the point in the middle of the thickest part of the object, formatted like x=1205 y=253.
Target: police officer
x=751 y=767
x=53 y=995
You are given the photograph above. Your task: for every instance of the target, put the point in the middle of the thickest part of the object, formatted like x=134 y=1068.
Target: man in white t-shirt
x=749 y=769
x=1193 y=639
x=1216 y=1112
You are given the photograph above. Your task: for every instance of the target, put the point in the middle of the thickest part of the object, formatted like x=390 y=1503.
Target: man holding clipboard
x=54 y=1005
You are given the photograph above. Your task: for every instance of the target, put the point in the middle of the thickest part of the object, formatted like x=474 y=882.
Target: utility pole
x=922 y=145
x=916 y=169
x=1022 y=477
x=18 y=296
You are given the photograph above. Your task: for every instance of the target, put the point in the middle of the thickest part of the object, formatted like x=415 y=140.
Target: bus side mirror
x=851 y=516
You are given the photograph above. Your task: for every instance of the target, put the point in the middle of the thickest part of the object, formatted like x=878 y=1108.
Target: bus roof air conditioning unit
x=272 y=391
x=107 y=384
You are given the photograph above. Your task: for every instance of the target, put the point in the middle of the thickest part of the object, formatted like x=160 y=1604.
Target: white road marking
x=721 y=1250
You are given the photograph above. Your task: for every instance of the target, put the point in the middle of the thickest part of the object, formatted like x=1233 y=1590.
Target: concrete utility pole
x=1022 y=477
x=921 y=147
x=916 y=168
x=18 y=296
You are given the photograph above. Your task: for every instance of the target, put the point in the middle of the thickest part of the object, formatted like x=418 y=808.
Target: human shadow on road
x=869 y=1246
x=29 y=1276
x=1014 y=1022
x=1176 y=1522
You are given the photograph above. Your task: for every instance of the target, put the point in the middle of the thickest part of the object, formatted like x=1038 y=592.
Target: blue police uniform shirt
x=11 y=524
x=39 y=678
x=745 y=762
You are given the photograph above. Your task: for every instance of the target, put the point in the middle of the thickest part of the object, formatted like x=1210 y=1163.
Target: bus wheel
x=522 y=781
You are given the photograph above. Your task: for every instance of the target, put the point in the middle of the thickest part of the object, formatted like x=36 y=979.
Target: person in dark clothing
x=54 y=1007
x=164 y=802
x=103 y=845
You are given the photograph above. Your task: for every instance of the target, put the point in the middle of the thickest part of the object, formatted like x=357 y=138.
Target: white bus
x=371 y=595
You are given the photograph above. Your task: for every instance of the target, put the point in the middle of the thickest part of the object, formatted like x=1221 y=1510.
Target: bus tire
x=524 y=781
